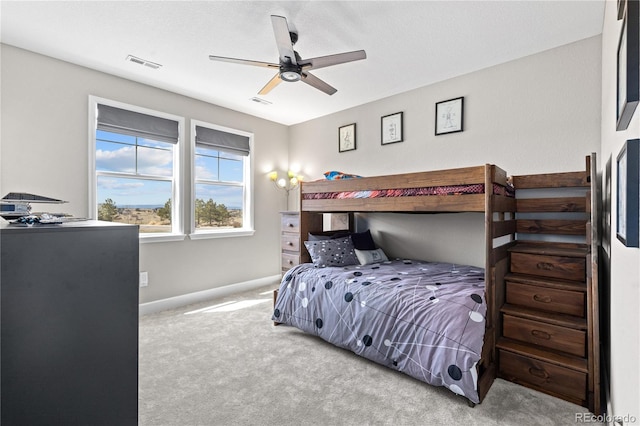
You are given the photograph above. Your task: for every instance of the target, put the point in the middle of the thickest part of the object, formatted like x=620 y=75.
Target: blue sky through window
x=213 y=170
x=213 y=165
x=133 y=156
x=132 y=192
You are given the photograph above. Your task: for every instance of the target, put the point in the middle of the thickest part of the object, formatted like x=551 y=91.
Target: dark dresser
x=69 y=324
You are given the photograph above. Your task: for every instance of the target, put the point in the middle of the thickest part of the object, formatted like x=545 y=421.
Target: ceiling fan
x=292 y=67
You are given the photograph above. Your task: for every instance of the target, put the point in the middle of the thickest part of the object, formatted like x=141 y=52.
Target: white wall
x=45 y=150
x=624 y=291
x=537 y=114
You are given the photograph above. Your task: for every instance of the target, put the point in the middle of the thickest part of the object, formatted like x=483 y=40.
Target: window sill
x=221 y=234
x=162 y=238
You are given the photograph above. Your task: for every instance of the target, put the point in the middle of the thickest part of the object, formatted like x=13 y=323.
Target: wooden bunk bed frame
x=499 y=224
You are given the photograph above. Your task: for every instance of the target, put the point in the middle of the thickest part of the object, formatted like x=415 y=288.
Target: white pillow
x=366 y=257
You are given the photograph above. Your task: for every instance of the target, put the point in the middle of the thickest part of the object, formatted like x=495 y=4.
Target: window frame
x=177 y=222
x=248 y=213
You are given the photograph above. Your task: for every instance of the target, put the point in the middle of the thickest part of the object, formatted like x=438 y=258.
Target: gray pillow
x=335 y=252
x=330 y=235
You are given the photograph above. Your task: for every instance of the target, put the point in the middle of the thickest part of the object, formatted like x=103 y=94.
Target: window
x=221 y=181
x=135 y=167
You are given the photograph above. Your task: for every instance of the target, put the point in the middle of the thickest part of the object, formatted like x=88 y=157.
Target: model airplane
x=17 y=205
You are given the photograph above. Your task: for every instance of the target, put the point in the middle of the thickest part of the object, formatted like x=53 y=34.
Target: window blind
x=117 y=120
x=223 y=141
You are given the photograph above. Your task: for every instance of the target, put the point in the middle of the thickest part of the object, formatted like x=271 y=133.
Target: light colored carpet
x=235 y=368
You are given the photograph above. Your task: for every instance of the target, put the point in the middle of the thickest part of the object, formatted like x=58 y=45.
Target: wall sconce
x=286 y=183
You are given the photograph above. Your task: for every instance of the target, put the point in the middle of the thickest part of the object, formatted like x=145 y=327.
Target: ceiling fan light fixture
x=290 y=76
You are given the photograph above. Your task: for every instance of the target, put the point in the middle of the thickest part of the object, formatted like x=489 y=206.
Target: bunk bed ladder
x=549 y=337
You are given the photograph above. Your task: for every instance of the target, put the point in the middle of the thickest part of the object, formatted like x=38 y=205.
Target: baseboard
x=201 y=296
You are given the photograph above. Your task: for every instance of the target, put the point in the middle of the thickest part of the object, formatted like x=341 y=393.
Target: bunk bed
x=483 y=189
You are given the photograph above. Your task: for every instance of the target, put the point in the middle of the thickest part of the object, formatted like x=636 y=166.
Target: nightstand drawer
x=568 y=268
x=290 y=260
x=550 y=377
x=290 y=242
x=547 y=335
x=546 y=299
x=290 y=223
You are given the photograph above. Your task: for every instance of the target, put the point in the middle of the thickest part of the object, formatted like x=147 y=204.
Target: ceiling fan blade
x=314 y=81
x=325 y=61
x=283 y=39
x=243 y=61
x=270 y=85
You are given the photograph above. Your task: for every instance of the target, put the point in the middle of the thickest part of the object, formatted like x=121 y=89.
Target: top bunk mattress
x=506 y=191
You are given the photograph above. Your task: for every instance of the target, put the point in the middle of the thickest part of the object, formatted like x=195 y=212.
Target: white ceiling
x=408 y=44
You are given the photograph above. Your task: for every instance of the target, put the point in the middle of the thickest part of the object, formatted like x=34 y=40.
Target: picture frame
x=391 y=128
x=347 y=137
x=628 y=195
x=628 y=66
x=449 y=116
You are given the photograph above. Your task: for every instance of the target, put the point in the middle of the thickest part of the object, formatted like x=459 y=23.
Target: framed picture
x=391 y=128
x=347 y=138
x=628 y=72
x=628 y=193
x=449 y=116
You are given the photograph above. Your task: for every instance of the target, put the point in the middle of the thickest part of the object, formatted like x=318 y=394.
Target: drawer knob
x=541 y=334
x=290 y=225
x=289 y=243
x=290 y=262
x=545 y=266
x=539 y=372
x=542 y=298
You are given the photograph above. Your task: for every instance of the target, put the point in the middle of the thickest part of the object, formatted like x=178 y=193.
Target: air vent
x=144 y=62
x=260 y=101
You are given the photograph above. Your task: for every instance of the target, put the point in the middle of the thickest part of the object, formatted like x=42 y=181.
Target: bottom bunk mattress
x=424 y=319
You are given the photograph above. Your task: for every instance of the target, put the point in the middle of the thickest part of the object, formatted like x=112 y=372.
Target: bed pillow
x=335 y=175
x=363 y=240
x=317 y=237
x=328 y=236
x=366 y=257
x=335 y=252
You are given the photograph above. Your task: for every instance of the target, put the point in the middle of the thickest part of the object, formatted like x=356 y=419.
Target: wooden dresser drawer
x=546 y=299
x=290 y=223
x=547 y=335
x=290 y=260
x=550 y=377
x=568 y=268
x=290 y=242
